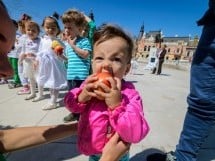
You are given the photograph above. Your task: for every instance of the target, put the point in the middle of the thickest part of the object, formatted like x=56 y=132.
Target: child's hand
x=30 y=55
x=112 y=95
x=71 y=41
x=88 y=91
x=23 y=56
x=35 y=64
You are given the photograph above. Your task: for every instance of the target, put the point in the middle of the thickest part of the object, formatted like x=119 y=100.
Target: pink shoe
x=24 y=90
x=3 y=81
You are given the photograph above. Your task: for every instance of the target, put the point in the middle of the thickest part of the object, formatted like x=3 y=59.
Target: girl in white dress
x=52 y=71
x=28 y=55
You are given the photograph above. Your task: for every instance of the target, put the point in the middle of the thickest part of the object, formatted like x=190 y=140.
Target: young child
x=121 y=110
x=24 y=81
x=52 y=72
x=77 y=51
x=28 y=55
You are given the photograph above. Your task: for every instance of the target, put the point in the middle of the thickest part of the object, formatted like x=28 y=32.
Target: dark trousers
x=159 y=68
x=74 y=84
x=160 y=64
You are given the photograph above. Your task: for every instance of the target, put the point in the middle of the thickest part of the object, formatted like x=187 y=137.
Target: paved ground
x=164 y=99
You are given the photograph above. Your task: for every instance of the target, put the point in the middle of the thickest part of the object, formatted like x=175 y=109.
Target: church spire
x=91 y=15
x=141 y=32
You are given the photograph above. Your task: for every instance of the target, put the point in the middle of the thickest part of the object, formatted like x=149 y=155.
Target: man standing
x=161 y=52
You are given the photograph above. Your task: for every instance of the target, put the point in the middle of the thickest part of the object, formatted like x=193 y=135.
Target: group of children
x=35 y=63
x=121 y=108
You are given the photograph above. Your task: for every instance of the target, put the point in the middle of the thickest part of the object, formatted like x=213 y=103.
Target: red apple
x=102 y=77
x=58 y=49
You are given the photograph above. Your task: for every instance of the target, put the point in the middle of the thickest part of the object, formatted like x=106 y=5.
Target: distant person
x=28 y=55
x=51 y=68
x=24 y=81
x=120 y=109
x=26 y=137
x=134 y=65
x=77 y=51
x=200 y=116
x=161 y=52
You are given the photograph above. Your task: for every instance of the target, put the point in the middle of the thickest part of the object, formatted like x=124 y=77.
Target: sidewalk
x=164 y=99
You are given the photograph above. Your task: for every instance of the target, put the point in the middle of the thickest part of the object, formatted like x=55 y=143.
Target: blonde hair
x=33 y=24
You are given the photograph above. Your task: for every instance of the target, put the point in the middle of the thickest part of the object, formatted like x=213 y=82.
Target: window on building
x=188 y=53
x=178 y=50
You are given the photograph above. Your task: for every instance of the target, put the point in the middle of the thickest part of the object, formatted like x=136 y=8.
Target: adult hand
x=114 y=149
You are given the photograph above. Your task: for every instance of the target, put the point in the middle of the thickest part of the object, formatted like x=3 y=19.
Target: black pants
x=160 y=64
x=74 y=84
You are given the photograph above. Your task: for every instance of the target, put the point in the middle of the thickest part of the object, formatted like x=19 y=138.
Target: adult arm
x=114 y=149
x=24 y=137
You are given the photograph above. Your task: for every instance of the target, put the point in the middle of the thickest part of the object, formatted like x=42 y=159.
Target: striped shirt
x=78 y=67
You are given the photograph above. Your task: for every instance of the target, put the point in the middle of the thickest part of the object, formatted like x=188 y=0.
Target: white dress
x=52 y=71
x=30 y=46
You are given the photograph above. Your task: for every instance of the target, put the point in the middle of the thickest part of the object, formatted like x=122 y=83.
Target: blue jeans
x=194 y=133
x=200 y=118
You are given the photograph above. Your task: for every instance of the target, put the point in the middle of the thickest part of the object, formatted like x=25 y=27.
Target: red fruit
x=58 y=49
x=102 y=77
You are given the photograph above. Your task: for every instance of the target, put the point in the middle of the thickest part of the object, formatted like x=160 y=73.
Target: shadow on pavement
x=143 y=155
x=59 y=150
x=6 y=127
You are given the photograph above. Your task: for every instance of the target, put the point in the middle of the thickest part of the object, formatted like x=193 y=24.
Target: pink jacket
x=97 y=121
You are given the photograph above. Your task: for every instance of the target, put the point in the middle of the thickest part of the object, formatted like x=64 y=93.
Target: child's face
x=71 y=30
x=112 y=53
x=32 y=31
x=50 y=27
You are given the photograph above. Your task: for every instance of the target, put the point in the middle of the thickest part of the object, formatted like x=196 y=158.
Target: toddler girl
x=52 y=72
x=121 y=110
x=28 y=55
x=24 y=81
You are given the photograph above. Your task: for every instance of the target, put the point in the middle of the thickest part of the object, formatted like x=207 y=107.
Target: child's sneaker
x=24 y=90
x=14 y=85
x=170 y=156
x=49 y=106
x=3 y=81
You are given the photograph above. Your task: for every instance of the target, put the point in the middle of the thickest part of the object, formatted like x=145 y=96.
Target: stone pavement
x=164 y=99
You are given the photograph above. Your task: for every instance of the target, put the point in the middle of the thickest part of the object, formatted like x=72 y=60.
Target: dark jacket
x=162 y=54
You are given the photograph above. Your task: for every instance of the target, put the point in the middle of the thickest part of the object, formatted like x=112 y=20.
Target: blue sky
x=172 y=17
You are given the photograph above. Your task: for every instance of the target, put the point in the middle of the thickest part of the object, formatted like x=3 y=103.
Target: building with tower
x=178 y=47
